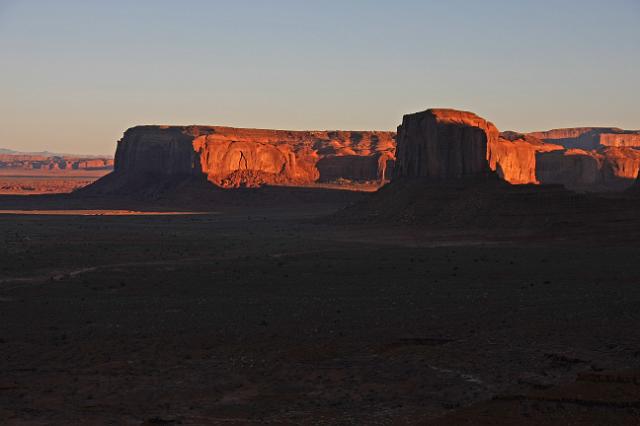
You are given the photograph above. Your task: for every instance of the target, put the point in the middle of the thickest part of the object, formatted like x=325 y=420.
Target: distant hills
x=6 y=151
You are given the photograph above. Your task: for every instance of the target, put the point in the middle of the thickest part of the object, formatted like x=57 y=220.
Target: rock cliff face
x=232 y=157
x=573 y=168
x=156 y=150
x=621 y=165
x=590 y=138
x=444 y=144
x=621 y=139
x=611 y=168
x=513 y=157
x=437 y=144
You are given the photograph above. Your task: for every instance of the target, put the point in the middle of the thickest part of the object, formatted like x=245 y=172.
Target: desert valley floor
x=275 y=314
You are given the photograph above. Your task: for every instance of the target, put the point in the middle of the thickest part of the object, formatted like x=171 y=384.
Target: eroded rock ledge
x=436 y=144
x=233 y=157
x=445 y=144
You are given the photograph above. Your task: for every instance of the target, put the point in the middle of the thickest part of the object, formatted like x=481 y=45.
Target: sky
x=74 y=74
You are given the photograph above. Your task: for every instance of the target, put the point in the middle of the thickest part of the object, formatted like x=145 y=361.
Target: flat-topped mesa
x=445 y=144
x=624 y=139
x=437 y=144
x=590 y=138
x=606 y=169
x=233 y=157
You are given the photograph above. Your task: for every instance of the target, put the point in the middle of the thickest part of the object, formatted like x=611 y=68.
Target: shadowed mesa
x=233 y=158
x=436 y=144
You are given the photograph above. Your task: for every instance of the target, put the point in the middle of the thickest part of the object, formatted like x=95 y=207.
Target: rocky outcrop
x=437 y=144
x=607 y=169
x=444 y=144
x=513 y=157
x=156 y=150
x=621 y=139
x=233 y=157
x=595 y=158
x=573 y=168
x=590 y=138
x=53 y=162
x=620 y=167
x=356 y=167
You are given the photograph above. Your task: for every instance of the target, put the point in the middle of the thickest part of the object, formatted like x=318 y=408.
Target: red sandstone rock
x=447 y=144
x=232 y=157
x=56 y=162
x=610 y=168
x=513 y=156
x=620 y=164
x=438 y=144
x=622 y=139
x=573 y=168
x=444 y=144
x=590 y=138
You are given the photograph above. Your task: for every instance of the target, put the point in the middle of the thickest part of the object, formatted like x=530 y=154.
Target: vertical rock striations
x=156 y=150
x=513 y=157
x=444 y=144
x=437 y=144
x=231 y=157
x=606 y=169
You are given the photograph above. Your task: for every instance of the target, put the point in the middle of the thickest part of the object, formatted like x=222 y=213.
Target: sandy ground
x=31 y=181
x=272 y=315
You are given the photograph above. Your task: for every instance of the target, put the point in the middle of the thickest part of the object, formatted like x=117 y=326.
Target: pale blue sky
x=75 y=74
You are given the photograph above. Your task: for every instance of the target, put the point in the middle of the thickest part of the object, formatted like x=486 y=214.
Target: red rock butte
x=436 y=144
x=444 y=144
x=233 y=157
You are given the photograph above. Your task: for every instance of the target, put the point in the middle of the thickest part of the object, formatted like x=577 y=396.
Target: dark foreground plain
x=272 y=314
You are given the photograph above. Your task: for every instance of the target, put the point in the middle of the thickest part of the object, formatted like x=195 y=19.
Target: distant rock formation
x=45 y=173
x=444 y=144
x=53 y=163
x=234 y=157
x=594 y=158
x=606 y=169
x=590 y=138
